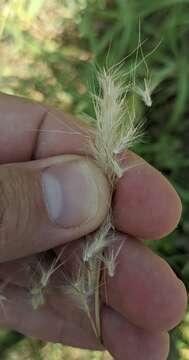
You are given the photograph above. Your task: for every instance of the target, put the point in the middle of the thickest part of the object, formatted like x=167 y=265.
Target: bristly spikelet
x=38 y=298
x=39 y=287
x=98 y=241
x=145 y=93
x=109 y=259
x=116 y=127
x=3 y=297
x=81 y=289
x=3 y=300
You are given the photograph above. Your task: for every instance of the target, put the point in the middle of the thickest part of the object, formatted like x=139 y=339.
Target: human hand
x=145 y=299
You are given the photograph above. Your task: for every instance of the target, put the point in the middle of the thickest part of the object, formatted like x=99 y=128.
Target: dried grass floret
x=146 y=89
x=81 y=289
x=115 y=124
x=98 y=241
x=45 y=273
x=109 y=259
x=145 y=93
x=3 y=298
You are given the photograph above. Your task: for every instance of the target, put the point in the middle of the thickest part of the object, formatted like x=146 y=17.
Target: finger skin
x=17 y=118
x=145 y=204
x=144 y=288
x=26 y=226
x=132 y=342
x=17 y=314
x=30 y=130
x=122 y=339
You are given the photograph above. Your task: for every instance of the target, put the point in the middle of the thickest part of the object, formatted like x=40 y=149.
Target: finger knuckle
x=3 y=208
x=14 y=213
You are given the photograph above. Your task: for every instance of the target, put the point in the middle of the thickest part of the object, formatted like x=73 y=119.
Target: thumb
x=45 y=203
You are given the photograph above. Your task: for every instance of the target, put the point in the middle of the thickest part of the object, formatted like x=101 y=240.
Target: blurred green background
x=48 y=48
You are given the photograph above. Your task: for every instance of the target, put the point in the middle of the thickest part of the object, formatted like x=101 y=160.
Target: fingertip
x=145 y=204
x=145 y=289
x=126 y=341
x=182 y=304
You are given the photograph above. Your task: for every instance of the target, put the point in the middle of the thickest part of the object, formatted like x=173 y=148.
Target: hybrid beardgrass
x=116 y=130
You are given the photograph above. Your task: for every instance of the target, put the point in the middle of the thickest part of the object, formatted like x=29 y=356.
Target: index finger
x=145 y=203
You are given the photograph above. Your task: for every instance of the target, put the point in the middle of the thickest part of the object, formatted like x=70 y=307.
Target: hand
x=49 y=198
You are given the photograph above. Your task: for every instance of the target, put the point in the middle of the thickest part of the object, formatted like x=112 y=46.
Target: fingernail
x=70 y=193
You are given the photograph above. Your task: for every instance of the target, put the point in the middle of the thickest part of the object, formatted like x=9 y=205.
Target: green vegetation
x=48 y=50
